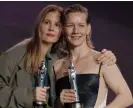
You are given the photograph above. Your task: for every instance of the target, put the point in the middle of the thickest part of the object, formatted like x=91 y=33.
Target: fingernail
x=104 y=50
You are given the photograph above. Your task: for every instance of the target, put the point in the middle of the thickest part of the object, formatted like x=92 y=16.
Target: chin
x=51 y=41
x=76 y=44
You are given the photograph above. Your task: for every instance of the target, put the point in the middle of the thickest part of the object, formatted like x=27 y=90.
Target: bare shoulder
x=95 y=54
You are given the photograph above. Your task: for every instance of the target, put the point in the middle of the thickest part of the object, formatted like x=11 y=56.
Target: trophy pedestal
x=39 y=105
x=77 y=105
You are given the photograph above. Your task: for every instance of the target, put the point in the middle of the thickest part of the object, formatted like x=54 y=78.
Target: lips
x=50 y=35
x=75 y=37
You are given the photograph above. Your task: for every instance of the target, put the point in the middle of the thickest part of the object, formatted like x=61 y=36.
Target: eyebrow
x=72 y=23
x=82 y=23
x=46 y=19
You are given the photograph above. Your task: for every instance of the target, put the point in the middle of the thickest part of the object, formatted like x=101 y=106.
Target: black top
x=88 y=86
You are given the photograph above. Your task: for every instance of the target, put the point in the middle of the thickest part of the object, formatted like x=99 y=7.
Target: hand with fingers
x=67 y=96
x=106 y=57
x=40 y=94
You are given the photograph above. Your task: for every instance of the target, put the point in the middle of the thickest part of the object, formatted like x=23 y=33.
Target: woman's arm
x=116 y=82
x=12 y=97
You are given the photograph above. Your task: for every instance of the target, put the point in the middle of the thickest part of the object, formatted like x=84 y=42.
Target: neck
x=44 y=49
x=79 y=52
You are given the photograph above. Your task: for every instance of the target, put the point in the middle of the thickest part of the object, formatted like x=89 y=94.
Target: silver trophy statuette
x=72 y=80
x=42 y=80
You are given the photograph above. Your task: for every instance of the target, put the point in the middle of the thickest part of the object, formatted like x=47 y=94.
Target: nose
x=75 y=30
x=51 y=27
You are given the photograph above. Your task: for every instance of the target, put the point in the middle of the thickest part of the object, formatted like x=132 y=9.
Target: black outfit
x=88 y=86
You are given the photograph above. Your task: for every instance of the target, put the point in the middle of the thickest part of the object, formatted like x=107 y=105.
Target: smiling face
x=76 y=28
x=50 y=29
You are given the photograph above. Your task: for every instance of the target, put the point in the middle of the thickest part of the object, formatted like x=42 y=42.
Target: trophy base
x=77 y=105
x=39 y=104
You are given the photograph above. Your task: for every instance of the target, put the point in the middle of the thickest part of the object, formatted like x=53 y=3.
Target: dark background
x=112 y=25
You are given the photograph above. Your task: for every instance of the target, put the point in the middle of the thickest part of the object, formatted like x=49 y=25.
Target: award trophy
x=72 y=80
x=41 y=81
